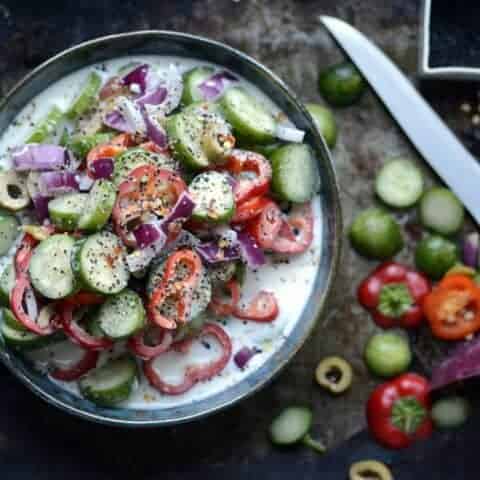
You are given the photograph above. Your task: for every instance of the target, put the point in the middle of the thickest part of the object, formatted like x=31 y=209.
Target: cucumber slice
x=84 y=100
x=65 y=211
x=8 y=232
x=250 y=121
x=201 y=296
x=122 y=315
x=8 y=318
x=191 y=80
x=213 y=197
x=102 y=265
x=50 y=267
x=7 y=282
x=294 y=173
x=98 y=206
x=47 y=127
x=80 y=145
x=135 y=157
x=222 y=272
x=111 y=383
x=441 y=211
x=399 y=183
x=291 y=425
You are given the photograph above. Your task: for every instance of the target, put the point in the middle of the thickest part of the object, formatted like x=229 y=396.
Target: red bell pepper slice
x=85 y=364
x=266 y=226
x=222 y=308
x=394 y=294
x=296 y=234
x=263 y=308
x=77 y=334
x=398 y=412
x=174 y=288
x=193 y=373
x=139 y=347
x=148 y=190
x=252 y=172
x=250 y=209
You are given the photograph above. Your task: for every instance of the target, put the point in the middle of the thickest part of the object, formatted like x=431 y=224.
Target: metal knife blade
x=425 y=129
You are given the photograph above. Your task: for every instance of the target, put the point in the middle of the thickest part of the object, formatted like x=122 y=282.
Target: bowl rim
x=336 y=229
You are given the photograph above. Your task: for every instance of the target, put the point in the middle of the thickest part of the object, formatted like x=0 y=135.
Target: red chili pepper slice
x=250 y=209
x=252 y=171
x=266 y=226
x=394 y=295
x=85 y=364
x=148 y=190
x=263 y=308
x=193 y=373
x=221 y=308
x=398 y=412
x=162 y=342
x=24 y=253
x=154 y=148
x=85 y=298
x=77 y=334
x=296 y=234
x=174 y=288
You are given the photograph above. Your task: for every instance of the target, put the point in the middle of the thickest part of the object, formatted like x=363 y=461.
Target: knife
x=425 y=129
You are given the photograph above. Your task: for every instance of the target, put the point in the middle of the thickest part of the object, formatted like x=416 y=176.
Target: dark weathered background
x=287 y=37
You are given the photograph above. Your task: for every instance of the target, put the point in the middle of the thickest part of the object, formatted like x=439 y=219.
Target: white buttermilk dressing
x=291 y=281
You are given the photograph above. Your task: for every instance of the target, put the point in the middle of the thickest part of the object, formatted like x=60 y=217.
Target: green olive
x=388 y=354
x=450 y=412
x=341 y=85
x=370 y=470
x=13 y=191
x=436 y=255
x=335 y=374
x=324 y=121
x=375 y=234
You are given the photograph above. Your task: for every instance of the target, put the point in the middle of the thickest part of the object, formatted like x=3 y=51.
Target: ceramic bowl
x=184 y=45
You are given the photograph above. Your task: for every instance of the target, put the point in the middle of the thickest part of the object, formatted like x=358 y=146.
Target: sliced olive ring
x=335 y=374
x=370 y=470
x=13 y=191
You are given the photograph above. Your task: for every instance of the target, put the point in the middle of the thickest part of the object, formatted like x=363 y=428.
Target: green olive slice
x=13 y=191
x=370 y=470
x=334 y=374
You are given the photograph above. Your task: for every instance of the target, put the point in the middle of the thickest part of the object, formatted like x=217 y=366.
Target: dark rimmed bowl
x=184 y=45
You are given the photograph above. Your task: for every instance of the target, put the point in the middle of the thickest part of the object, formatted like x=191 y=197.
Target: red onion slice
x=116 y=121
x=243 y=356
x=155 y=132
x=250 y=250
x=212 y=253
x=153 y=97
x=40 y=157
x=101 y=168
x=137 y=76
x=470 y=249
x=180 y=213
x=146 y=234
x=57 y=183
x=40 y=203
x=215 y=85
x=153 y=243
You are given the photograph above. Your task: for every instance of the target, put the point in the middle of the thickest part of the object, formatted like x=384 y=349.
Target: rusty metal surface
x=287 y=37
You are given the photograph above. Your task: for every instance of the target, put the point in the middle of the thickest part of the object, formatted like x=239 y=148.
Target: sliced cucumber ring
x=122 y=315
x=191 y=80
x=102 y=265
x=111 y=383
x=7 y=282
x=294 y=173
x=50 y=267
x=8 y=232
x=98 y=207
x=250 y=120
x=65 y=211
x=213 y=197
x=399 y=183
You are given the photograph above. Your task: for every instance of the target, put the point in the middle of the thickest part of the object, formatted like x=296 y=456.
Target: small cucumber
x=291 y=425
x=7 y=282
x=85 y=99
x=65 y=211
x=441 y=211
x=8 y=232
x=47 y=127
x=111 y=383
x=399 y=183
x=50 y=267
x=102 y=265
x=294 y=173
x=250 y=120
x=98 y=206
x=122 y=315
x=213 y=197
x=191 y=80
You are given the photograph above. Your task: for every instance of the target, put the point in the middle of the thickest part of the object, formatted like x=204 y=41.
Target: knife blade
x=421 y=124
